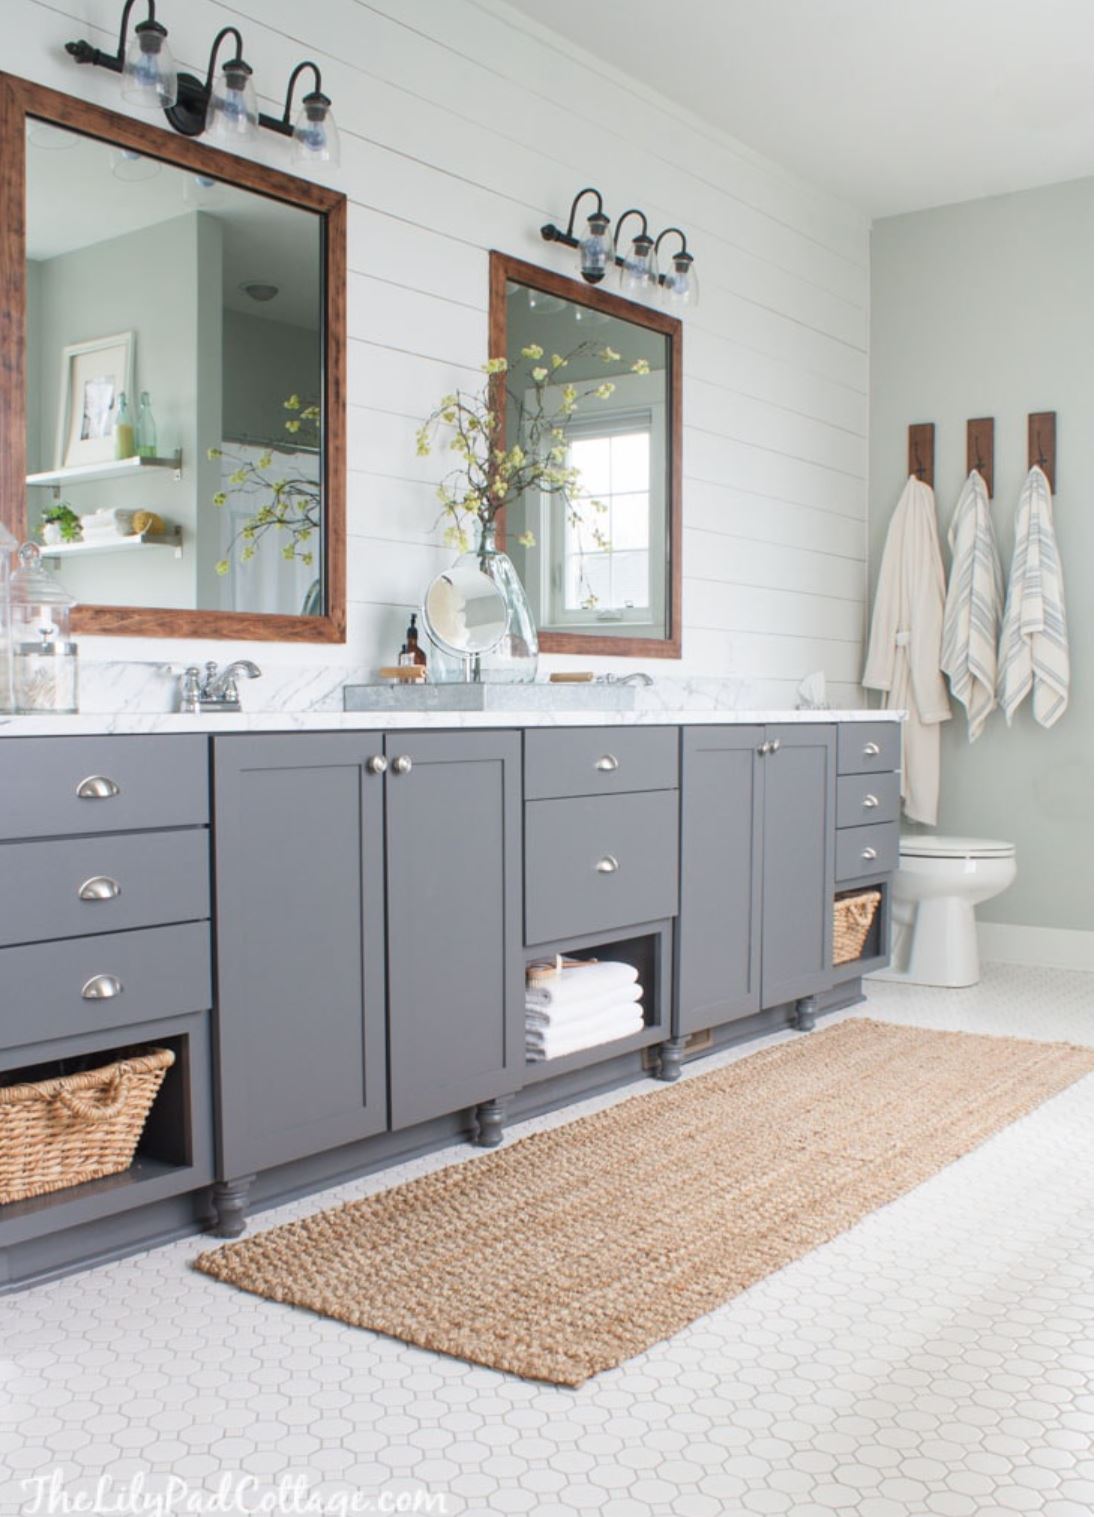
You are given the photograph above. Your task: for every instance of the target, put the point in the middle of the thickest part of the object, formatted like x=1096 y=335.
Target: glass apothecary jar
x=43 y=654
x=7 y=548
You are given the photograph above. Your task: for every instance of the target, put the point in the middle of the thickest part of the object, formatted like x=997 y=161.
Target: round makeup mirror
x=465 y=613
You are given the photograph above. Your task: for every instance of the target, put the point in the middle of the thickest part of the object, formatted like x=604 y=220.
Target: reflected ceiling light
x=258 y=290
x=132 y=167
x=639 y=265
x=223 y=107
x=149 y=78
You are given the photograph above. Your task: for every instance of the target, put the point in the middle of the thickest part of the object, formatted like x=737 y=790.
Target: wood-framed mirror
x=605 y=575
x=209 y=291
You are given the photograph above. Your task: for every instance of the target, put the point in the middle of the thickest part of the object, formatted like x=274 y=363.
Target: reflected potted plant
x=60 y=524
x=291 y=507
x=489 y=475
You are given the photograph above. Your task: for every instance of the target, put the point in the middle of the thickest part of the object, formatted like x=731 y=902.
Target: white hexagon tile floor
x=932 y=1362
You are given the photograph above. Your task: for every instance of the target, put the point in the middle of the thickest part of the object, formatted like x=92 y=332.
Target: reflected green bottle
x=146 y=428
x=123 y=429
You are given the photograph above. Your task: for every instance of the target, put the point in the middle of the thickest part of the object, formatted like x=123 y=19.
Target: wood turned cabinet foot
x=669 y=1056
x=490 y=1117
x=804 y=1014
x=230 y=1206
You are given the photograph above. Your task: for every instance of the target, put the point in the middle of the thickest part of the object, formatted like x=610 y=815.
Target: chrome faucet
x=214 y=692
x=638 y=677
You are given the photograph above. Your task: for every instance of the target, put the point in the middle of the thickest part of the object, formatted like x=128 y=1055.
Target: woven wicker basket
x=853 y=918
x=73 y=1128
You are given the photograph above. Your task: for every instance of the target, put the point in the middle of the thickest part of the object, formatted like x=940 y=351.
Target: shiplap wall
x=465 y=127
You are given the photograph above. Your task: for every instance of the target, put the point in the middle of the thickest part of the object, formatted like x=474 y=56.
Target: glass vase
x=515 y=660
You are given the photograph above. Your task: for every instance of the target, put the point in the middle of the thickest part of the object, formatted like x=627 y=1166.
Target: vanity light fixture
x=639 y=265
x=223 y=107
x=148 y=72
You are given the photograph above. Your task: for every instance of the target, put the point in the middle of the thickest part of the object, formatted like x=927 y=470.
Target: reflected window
x=606 y=562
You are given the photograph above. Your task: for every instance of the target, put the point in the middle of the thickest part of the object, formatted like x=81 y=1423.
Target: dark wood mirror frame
x=19 y=99
x=504 y=269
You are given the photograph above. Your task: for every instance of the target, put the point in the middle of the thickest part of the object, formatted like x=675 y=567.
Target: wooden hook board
x=1042 y=444
x=980 y=450
x=920 y=451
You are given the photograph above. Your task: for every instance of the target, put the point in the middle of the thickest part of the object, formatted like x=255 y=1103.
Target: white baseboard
x=1053 y=947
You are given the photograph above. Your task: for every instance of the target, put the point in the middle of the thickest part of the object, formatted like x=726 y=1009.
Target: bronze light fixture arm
x=553 y=233
x=188 y=115
x=316 y=96
x=84 y=52
x=625 y=215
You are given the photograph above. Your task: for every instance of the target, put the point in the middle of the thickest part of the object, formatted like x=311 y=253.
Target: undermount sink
x=490 y=697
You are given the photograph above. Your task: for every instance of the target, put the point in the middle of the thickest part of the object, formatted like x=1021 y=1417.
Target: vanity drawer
x=72 y=887
x=598 y=862
x=600 y=761
x=868 y=747
x=864 y=799
x=56 y=786
x=48 y=987
x=867 y=852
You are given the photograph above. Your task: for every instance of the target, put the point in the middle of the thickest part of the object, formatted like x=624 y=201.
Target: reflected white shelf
x=110 y=468
x=172 y=539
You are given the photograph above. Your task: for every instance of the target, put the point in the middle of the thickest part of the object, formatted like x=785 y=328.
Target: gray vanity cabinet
x=720 y=921
x=300 y=945
x=754 y=928
x=798 y=869
x=453 y=812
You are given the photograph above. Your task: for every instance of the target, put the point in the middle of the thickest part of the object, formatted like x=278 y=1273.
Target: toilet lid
x=933 y=846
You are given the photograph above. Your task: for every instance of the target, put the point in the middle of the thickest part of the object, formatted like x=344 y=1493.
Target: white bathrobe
x=974 y=606
x=905 y=644
x=1033 y=653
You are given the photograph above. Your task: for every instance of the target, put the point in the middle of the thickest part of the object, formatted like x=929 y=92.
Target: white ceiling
x=893 y=105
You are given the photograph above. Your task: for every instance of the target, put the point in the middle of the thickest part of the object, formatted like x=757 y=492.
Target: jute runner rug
x=574 y=1249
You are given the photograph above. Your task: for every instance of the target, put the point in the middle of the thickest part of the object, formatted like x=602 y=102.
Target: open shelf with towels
x=647 y=947
x=173 y=539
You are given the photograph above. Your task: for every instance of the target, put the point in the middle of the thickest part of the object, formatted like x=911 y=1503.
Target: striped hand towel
x=974 y=606
x=1033 y=652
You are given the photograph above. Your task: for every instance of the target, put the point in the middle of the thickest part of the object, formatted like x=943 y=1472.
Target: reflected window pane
x=587 y=581
x=630 y=460
x=591 y=455
x=629 y=580
x=629 y=522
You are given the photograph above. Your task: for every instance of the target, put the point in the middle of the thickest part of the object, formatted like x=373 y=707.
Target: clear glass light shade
x=680 y=283
x=316 y=136
x=637 y=275
x=594 y=249
x=148 y=75
x=232 y=116
x=132 y=167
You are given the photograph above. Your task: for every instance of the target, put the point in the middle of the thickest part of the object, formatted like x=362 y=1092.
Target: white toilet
x=939 y=883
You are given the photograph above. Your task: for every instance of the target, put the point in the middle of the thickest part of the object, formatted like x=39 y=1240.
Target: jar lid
x=33 y=585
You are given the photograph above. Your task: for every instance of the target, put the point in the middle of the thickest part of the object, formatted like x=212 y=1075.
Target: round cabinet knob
x=871 y=750
x=607 y=865
x=101 y=987
x=775 y=744
x=870 y=801
x=377 y=763
x=97 y=787
x=763 y=748
x=869 y=854
x=99 y=888
x=402 y=764
x=608 y=763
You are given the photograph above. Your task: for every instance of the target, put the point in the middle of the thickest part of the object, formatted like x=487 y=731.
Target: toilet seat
x=933 y=846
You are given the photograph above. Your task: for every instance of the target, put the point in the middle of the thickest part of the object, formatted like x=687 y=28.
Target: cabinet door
x=301 y=944
x=454 y=875
x=798 y=862
x=719 y=930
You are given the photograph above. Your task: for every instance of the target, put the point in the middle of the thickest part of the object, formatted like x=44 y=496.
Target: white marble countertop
x=89 y=724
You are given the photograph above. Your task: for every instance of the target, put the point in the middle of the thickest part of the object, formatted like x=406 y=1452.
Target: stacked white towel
x=105 y=525
x=974 y=606
x=580 y=1005
x=1033 y=653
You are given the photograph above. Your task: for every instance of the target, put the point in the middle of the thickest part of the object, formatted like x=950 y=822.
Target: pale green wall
x=986 y=309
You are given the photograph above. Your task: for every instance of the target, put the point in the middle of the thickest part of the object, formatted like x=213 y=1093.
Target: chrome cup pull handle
x=607 y=865
x=871 y=750
x=869 y=854
x=608 y=763
x=870 y=801
x=99 y=888
x=101 y=987
x=97 y=787
x=402 y=764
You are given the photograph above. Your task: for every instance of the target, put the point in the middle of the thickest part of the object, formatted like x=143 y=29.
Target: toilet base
x=934 y=943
